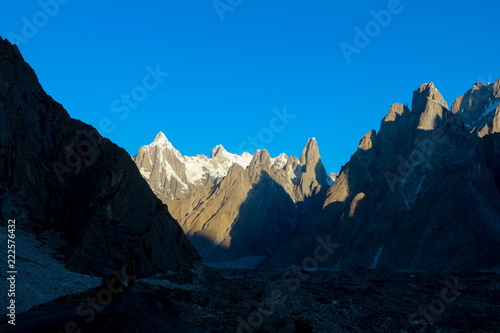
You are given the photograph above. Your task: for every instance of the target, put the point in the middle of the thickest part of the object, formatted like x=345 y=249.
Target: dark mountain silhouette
x=58 y=173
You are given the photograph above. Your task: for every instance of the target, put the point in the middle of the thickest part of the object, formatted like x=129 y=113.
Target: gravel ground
x=359 y=300
x=243 y=300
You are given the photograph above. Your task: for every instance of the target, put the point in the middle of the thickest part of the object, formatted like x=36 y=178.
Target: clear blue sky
x=226 y=77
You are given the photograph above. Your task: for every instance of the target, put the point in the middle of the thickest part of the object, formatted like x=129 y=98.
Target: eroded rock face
x=232 y=206
x=479 y=108
x=59 y=173
x=253 y=211
x=314 y=177
x=421 y=194
x=242 y=216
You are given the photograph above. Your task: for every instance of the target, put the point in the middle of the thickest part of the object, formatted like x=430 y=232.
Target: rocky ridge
x=421 y=194
x=220 y=203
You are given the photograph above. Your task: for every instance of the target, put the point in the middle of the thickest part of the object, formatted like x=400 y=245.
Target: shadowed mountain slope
x=58 y=173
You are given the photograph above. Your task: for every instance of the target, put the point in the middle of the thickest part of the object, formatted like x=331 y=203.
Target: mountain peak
x=477 y=103
x=395 y=111
x=217 y=150
x=423 y=94
x=310 y=151
x=261 y=159
x=162 y=141
x=430 y=104
x=160 y=137
x=313 y=171
x=280 y=160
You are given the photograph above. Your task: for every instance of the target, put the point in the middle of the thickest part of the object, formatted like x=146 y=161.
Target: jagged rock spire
x=429 y=102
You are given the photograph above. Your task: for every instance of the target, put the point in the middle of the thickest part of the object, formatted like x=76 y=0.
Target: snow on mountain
x=221 y=156
x=172 y=175
x=331 y=178
x=170 y=172
x=196 y=169
x=487 y=114
x=162 y=141
x=280 y=161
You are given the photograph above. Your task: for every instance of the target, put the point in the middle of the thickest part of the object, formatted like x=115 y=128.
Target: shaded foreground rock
x=130 y=311
x=58 y=173
x=357 y=300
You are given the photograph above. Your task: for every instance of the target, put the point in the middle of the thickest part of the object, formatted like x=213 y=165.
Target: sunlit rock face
x=233 y=206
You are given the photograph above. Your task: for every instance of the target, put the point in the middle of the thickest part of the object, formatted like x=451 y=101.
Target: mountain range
x=418 y=199
x=421 y=193
x=233 y=206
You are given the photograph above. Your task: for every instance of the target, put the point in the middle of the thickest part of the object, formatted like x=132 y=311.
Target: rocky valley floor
x=236 y=300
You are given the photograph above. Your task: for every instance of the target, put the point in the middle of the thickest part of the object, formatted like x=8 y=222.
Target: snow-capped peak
x=174 y=175
x=160 y=137
x=218 y=165
x=192 y=170
x=162 y=141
